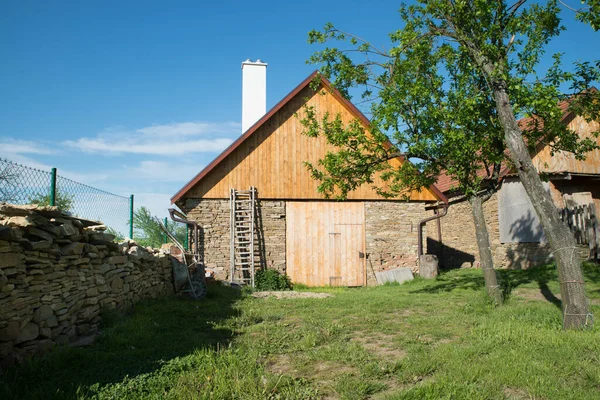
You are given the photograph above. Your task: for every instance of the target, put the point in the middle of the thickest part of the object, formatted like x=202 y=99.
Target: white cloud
x=24 y=160
x=18 y=151
x=180 y=171
x=190 y=128
x=170 y=139
x=88 y=178
x=164 y=146
x=157 y=203
x=14 y=146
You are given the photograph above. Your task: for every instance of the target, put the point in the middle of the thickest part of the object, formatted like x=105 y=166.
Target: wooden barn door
x=325 y=243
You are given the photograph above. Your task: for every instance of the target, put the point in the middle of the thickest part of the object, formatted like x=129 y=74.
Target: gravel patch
x=291 y=295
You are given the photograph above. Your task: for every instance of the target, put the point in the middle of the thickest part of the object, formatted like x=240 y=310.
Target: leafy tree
x=496 y=47
x=63 y=201
x=8 y=181
x=436 y=133
x=589 y=13
x=148 y=231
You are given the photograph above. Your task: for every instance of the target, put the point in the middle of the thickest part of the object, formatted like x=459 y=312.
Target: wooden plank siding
x=323 y=243
x=565 y=162
x=271 y=159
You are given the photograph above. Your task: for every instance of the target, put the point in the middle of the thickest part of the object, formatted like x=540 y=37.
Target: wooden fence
x=584 y=224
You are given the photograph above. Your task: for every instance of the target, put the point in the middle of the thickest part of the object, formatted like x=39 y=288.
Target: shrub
x=270 y=279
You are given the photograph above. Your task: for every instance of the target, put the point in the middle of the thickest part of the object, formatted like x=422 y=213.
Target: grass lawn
x=424 y=339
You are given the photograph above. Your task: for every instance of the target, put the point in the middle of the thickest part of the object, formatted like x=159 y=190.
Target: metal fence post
x=131 y=217
x=53 y=187
x=165 y=239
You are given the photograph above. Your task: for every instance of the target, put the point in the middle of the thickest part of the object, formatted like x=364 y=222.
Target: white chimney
x=254 y=92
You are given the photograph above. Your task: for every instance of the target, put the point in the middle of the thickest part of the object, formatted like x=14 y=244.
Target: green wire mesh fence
x=20 y=184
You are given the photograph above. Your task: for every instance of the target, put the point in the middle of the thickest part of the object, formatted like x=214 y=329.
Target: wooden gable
x=562 y=161
x=271 y=155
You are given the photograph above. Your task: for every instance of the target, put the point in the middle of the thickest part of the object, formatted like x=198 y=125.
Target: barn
x=516 y=235
x=260 y=184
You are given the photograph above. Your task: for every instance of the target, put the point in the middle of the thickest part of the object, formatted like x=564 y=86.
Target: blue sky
x=138 y=96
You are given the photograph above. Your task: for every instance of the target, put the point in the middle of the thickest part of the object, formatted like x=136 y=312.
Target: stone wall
x=391 y=235
x=271 y=220
x=213 y=217
x=390 y=228
x=57 y=272
x=459 y=246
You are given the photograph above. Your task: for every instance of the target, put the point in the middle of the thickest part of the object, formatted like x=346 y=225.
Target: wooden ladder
x=242 y=228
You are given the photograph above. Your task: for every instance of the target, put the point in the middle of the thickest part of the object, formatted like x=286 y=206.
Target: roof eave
x=242 y=138
x=327 y=84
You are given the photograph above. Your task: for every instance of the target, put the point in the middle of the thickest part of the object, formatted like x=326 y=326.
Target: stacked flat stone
x=57 y=272
x=213 y=216
x=390 y=228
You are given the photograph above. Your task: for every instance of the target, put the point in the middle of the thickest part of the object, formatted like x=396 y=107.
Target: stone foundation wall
x=57 y=272
x=213 y=217
x=272 y=225
x=459 y=245
x=391 y=235
x=390 y=228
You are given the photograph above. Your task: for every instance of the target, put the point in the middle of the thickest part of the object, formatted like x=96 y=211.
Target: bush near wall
x=270 y=279
x=58 y=271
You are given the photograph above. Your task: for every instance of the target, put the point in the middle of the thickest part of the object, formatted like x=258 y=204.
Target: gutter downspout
x=423 y=222
x=178 y=217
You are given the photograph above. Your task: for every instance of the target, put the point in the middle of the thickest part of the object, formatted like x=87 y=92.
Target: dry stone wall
x=390 y=228
x=212 y=215
x=391 y=235
x=272 y=226
x=57 y=272
x=459 y=245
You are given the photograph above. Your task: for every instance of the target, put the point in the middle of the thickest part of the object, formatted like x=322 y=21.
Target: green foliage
x=270 y=279
x=393 y=342
x=590 y=13
x=300 y=287
x=350 y=387
x=119 y=237
x=431 y=97
x=63 y=201
x=147 y=231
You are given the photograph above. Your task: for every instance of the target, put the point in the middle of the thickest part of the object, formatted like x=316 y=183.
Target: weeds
x=419 y=340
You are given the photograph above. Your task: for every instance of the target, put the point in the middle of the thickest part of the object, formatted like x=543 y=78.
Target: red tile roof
x=446 y=183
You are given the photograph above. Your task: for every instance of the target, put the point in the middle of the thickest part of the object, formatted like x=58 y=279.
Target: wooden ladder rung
x=242 y=227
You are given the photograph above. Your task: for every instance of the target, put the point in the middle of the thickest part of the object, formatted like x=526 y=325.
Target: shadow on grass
x=131 y=344
x=543 y=277
x=448 y=281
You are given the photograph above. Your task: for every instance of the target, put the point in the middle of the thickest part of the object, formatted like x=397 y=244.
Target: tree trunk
x=485 y=252
x=576 y=312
